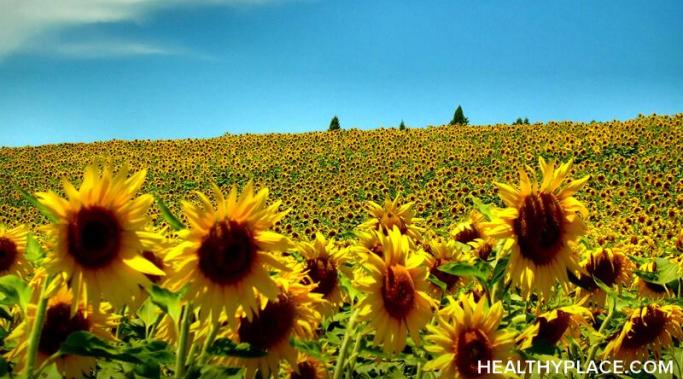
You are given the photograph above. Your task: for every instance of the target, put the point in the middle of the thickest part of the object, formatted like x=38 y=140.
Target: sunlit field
x=411 y=253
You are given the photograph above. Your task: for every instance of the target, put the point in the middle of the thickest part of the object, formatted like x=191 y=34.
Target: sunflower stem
x=603 y=326
x=339 y=367
x=36 y=332
x=182 y=342
x=207 y=343
x=354 y=354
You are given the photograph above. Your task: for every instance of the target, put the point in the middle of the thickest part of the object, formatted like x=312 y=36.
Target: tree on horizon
x=459 y=117
x=334 y=124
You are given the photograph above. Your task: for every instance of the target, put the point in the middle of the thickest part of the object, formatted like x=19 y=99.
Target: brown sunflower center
x=323 y=272
x=227 y=253
x=445 y=277
x=467 y=234
x=645 y=329
x=398 y=291
x=550 y=332
x=58 y=326
x=8 y=253
x=270 y=326
x=306 y=370
x=473 y=346
x=94 y=237
x=156 y=261
x=605 y=269
x=539 y=228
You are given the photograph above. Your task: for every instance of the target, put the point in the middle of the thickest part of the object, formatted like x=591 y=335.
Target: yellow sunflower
x=393 y=214
x=99 y=234
x=324 y=262
x=395 y=303
x=555 y=326
x=292 y=313
x=651 y=290
x=12 y=250
x=467 y=333
x=308 y=368
x=440 y=252
x=473 y=233
x=59 y=323
x=228 y=251
x=610 y=266
x=649 y=328
x=538 y=226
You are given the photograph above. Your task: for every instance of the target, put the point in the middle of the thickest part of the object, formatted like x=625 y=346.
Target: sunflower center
x=473 y=346
x=94 y=237
x=306 y=371
x=227 y=252
x=58 y=326
x=605 y=269
x=8 y=253
x=323 y=272
x=270 y=326
x=467 y=234
x=539 y=228
x=645 y=329
x=157 y=262
x=398 y=292
x=445 y=277
x=550 y=332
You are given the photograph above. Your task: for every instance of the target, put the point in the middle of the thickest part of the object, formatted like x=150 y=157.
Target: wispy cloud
x=27 y=23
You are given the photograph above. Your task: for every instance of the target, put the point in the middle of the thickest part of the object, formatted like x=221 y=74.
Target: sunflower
x=473 y=233
x=555 y=326
x=393 y=214
x=395 y=300
x=367 y=241
x=308 y=368
x=59 y=323
x=610 y=266
x=324 y=261
x=98 y=236
x=440 y=252
x=538 y=226
x=467 y=333
x=649 y=328
x=227 y=252
x=12 y=249
x=292 y=313
x=651 y=290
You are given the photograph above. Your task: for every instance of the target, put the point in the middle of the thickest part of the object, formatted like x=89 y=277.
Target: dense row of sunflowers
x=112 y=285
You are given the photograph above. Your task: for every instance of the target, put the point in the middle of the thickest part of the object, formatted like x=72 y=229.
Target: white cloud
x=25 y=24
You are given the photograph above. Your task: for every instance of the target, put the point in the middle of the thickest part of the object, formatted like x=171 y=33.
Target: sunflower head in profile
x=307 y=368
x=440 y=252
x=538 y=225
x=610 y=266
x=473 y=233
x=367 y=240
x=324 y=262
x=12 y=249
x=556 y=326
x=393 y=215
x=60 y=322
x=291 y=314
x=228 y=251
x=395 y=301
x=648 y=329
x=99 y=234
x=467 y=333
x=650 y=290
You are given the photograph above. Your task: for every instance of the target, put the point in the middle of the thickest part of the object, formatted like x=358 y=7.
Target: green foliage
x=166 y=213
x=14 y=291
x=459 y=117
x=334 y=124
x=225 y=347
x=402 y=126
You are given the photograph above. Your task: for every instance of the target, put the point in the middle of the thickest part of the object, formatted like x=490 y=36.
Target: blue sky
x=86 y=71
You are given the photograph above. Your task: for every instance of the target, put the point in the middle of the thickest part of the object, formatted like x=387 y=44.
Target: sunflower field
x=416 y=253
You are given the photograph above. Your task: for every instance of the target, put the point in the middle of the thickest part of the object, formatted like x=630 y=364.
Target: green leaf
x=499 y=270
x=485 y=209
x=443 y=286
x=33 y=201
x=311 y=348
x=463 y=269
x=14 y=291
x=172 y=220
x=34 y=252
x=88 y=345
x=225 y=347
x=220 y=372
x=167 y=300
